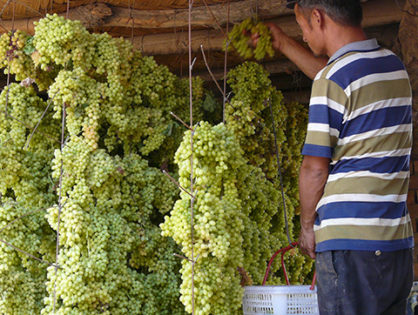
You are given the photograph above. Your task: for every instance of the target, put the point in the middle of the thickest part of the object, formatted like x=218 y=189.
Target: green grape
x=240 y=37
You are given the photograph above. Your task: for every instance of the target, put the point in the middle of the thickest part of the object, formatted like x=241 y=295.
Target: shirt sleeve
x=326 y=112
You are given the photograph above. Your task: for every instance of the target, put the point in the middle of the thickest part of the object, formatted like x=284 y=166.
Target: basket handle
x=283 y=251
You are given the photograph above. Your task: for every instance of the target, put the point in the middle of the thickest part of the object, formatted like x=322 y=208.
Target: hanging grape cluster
x=25 y=188
x=218 y=219
x=239 y=38
x=120 y=219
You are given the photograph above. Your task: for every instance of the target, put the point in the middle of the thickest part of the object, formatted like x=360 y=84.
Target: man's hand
x=307 y=242
x=298 y=54
x=278 y=37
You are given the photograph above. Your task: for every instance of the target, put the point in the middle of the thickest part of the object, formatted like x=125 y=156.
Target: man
x=355 y=173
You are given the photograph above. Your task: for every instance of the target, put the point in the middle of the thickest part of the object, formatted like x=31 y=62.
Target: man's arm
x=312 y=179
x=302 y=57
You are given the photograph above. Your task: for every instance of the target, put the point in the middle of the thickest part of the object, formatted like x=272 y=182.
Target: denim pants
x=364 y=282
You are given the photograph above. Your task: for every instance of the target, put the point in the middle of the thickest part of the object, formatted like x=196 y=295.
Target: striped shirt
x=360 y=116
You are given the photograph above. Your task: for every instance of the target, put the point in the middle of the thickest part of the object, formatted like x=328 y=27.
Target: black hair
x=346 y=12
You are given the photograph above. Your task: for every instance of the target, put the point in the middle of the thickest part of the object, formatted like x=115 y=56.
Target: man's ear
x=317 y=18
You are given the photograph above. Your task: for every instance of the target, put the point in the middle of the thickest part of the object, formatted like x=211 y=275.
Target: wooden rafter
x=91 y=15
x=200 y=15
x=376 y=13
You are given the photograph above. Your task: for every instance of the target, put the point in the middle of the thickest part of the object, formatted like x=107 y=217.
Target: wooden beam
x=375 y=13
x=159 y=4
x=91 y=15
x=213 y=17
x=34 y=9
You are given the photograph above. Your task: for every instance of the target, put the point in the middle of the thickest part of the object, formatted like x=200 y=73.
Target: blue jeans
x=364 y=282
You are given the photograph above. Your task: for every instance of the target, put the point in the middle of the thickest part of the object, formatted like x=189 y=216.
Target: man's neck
x=340 y=36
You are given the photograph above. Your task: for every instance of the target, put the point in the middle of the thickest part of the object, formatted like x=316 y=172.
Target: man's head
x=317 y=18
x=345 y=12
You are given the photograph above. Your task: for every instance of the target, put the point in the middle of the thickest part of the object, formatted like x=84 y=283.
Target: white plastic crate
x=280 y=300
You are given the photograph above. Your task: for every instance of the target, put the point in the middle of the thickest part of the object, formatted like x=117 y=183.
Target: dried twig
x=188 y=259
x=181 y=121
x=183 y=257
x=29 y=127
x=191 y=150
x=29 y=8
x=59 y=202
x=211 y=73
x=21 y=217
x=43 y=115
x=28 y=254
x=214 y=18
x=68 y=9
x=9 y=56
x=177 y=184
x=225 y=64
x=4 y=8
x=8 y=88
x=279 y=167
x=13 y=17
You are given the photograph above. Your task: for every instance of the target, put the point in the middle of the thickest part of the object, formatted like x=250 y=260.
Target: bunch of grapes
x=19 y=54
x=218 y=220
x=248 y=115
x=25 y=194
x=239 y=38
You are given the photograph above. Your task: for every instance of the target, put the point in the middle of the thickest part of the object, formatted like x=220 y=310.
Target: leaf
x=169 y=130
x=210 y=103
x=29 y=47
